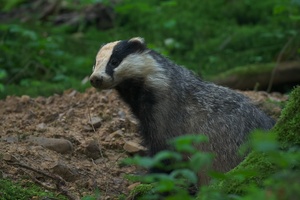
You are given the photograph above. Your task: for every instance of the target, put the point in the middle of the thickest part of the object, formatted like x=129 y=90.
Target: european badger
x=169 y=101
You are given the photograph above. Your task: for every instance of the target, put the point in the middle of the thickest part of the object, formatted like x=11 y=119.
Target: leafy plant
x=183 y=173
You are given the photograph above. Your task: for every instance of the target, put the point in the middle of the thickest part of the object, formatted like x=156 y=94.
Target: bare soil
x=98 y=127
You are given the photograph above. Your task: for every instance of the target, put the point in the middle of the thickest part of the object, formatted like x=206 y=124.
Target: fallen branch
x=59 y=181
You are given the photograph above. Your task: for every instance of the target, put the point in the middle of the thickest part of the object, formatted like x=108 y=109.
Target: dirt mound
x=76 y=140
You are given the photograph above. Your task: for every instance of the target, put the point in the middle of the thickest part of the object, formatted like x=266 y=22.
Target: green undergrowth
x=210 y=37
x=36 y=88
x=10 y=190
x=288 y=127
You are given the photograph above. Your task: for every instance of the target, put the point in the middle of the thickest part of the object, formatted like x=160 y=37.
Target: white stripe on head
x=141 y=65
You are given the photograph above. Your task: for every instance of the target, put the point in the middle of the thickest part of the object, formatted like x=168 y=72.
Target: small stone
x=10 y=139
x=67 y=173
x=41 y=126
x=133 y=147
x=55 y=144
x=122 y=114
x=88 y=128
x=93 y=150
x=95 y=122
x=8 y=157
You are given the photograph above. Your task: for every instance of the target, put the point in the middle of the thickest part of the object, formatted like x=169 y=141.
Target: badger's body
x=169 y=101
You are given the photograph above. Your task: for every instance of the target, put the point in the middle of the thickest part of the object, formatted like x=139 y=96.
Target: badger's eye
x=114 y=62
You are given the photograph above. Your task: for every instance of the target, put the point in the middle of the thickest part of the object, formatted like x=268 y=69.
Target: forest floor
x=74 y=143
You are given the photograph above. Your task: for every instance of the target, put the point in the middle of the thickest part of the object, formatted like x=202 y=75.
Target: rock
x=55 y=144
x=93 y=150
x=10 y=139
x=65 y=172
x=95 y=122
x=122 y=114
x=9 y=157
x=88 y=128
x=133 y=147
x=41 y=127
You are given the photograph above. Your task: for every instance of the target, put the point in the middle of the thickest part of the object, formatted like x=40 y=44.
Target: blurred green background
x=49 y=46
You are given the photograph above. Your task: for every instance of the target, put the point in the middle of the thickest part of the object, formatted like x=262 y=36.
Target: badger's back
x=170 y=101
x=192 y=105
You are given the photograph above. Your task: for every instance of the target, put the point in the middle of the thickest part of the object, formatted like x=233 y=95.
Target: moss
x=255 y=162
x=288 y=127
x=23 y=190
x=287 y=131
x=140 y=190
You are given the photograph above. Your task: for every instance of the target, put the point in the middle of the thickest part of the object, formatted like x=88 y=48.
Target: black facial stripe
x=121 y=51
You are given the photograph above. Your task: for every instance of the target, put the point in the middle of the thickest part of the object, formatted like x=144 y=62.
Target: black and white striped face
x=121 y=60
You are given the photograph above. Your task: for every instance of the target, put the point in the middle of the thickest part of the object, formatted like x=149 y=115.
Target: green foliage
x=8 y=5
x=288 y=126
x=213 y=36
x=183 y=173
x=41 y=62
x=96 y=196
x=208 y=36
x=23 y=191
x=268 y=171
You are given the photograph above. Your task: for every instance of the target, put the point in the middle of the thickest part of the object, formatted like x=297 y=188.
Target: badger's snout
x=96 y=81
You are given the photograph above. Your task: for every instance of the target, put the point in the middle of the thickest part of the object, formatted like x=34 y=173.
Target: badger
x=169 y=101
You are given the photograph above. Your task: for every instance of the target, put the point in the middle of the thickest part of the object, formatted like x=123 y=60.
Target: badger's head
x=122 y=60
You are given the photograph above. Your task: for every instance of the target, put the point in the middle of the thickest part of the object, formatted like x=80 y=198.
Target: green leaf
x=167 y=155
x=200 y=160
x=264 y=141
x=185 y=173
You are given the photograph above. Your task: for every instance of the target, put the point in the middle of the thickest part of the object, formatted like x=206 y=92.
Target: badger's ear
x=138 y=43
x=137 y=39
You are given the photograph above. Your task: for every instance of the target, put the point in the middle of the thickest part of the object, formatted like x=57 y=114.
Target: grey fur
x=188 y=105
x=195 y=106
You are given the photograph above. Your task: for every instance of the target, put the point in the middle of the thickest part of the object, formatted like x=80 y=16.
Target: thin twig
x=39 y=182
x=59 y=181
x=90 y=118
x=279 y=59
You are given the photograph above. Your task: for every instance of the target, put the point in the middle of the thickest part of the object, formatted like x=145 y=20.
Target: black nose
x=96 y=81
